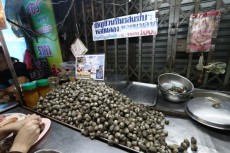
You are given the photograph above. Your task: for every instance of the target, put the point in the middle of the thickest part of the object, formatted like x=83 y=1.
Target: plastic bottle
x=30 y=94
x=43 y=87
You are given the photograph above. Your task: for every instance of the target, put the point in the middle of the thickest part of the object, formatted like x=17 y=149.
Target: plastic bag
x=202 y=28
x=78 y=48
x=28 y=60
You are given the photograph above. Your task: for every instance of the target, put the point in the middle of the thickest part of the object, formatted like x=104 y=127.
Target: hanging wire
x=40 y=35
x=67 y=14
x=55 y=3
x=27 y=29
x=75 y=17
x=27 y=34
x=113 y=3
x=78 y=34
x=60 y=23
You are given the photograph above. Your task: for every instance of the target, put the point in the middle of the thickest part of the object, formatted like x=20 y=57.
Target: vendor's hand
x=4 y=99
x=16 y=126
x=2 y=93
x=26 y=136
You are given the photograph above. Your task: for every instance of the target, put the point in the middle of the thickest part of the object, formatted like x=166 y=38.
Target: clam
x=100 y=111
x=193 y=140
x=194 y=147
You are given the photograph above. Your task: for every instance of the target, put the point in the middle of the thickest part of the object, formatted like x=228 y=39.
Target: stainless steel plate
x=144 y=93
x=201 y=109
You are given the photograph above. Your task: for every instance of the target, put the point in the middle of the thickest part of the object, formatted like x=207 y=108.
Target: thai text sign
x=141 y=24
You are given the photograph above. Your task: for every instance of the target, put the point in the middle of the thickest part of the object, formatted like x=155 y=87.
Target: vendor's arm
x=21 y=80
x=10 y=89
x=23 y=76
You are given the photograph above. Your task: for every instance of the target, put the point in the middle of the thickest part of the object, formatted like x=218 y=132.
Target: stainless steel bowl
x=47 y=151
x=167 y=81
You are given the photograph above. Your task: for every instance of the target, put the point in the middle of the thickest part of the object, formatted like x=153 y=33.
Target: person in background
x=27 y=132
x=6 y=81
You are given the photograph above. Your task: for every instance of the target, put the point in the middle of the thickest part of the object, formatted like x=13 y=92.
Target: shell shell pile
x=100 y=111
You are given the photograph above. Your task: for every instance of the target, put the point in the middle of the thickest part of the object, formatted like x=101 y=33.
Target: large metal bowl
x=167 y=81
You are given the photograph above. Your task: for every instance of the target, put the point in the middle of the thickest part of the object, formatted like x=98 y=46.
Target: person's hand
x=26 y=136
x=16 y=126
x=2 y=93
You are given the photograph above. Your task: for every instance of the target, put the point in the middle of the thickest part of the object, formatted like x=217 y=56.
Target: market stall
x=125 y=98
x=65 y=138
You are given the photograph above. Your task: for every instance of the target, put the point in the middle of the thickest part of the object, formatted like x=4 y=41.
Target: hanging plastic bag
x=28 y=60
x=78 y=48
x=202 y=28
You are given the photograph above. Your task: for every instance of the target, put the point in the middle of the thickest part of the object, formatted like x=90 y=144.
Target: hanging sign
x=2 y=17
x=202 y=28
x=90 y=67
x=140 y=24
x=47 y=45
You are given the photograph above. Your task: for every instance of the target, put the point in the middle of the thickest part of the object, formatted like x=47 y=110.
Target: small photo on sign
x=2 y=17
x=83 y=68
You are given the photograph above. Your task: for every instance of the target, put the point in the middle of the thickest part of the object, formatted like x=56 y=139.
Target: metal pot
x=167 y=81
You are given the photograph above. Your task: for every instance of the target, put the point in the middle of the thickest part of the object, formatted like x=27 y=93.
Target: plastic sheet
x=202 y=28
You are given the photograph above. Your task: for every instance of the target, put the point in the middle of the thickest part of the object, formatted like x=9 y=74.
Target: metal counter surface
x=68 y=140
x=147 y=94
x=4 y=106
x=209 y=140
x=168 y=105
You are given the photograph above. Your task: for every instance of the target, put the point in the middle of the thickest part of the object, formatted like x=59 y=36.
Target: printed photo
x=90 y=66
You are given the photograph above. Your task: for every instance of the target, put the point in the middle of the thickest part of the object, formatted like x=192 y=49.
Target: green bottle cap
x=42 y=82
x=29 y=86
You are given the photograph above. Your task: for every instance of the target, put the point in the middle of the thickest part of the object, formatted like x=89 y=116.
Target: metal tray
x=209 y=140
x=123 y=147
x=201 y=109
x=120 y=86
x=143 y=93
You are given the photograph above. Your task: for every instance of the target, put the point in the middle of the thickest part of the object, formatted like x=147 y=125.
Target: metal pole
x=140 y=49
x=84 y=20
x=115 y=42
x=11 y=67
x=227 y=75
x=93 y=18
x=174 y=38
x=105 y=44
x=169 y=58
x=197 y=6
x=127 y=46
x=210 y=53
x=153 y=48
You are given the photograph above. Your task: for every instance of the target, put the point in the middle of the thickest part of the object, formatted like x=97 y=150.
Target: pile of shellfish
x=101 y=111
